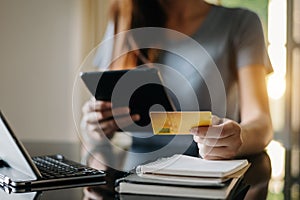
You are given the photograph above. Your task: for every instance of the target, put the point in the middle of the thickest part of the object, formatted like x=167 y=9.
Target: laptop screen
x=13 y=152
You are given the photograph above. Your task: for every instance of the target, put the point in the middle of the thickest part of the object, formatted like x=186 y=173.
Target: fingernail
x=193 y=130
x=136 y=117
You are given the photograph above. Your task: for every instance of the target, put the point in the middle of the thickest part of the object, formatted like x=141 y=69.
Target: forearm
x=256 y=134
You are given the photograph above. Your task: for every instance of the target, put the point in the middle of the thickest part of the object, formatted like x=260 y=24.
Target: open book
x=188 y=166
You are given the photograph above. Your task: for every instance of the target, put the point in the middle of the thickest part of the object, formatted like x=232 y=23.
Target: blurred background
x=43 y=44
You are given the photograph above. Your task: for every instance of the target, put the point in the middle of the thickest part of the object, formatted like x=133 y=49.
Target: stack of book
x=185 y=176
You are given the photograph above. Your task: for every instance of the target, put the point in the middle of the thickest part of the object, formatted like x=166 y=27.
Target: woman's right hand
x=97 y=120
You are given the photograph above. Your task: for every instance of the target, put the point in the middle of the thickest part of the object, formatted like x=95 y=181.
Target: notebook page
x=182 y=165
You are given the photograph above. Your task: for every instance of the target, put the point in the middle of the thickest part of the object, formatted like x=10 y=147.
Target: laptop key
x=58 y=167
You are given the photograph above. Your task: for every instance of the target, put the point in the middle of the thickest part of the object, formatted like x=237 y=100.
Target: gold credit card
x=169 y=123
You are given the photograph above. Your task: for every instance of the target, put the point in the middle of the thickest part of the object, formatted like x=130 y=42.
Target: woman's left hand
x=221 y=140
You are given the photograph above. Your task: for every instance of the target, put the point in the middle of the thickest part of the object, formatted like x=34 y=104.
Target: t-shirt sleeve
x=249 y=42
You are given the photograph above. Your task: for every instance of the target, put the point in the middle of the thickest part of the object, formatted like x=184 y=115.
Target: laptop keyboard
x=58 y=167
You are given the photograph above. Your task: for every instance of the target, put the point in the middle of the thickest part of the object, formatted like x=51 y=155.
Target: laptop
x=21 y=173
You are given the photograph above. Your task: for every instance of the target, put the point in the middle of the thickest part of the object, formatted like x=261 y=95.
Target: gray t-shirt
x=233 y=38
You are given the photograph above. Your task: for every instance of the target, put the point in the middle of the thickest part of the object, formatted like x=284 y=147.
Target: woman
x=233 y=38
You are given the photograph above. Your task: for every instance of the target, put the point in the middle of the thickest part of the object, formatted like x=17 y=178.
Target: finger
x=222 y=152
x=136 y=117
x=92 y=105
x=108 y=127
x=215 y=131
x=199 y=131
x=221 y=142
x=216 y=120
x=94 y=135
x=120 y=111
x=229 y=128
x=216 y=152
x=85 y=107
x=103 y=129
x=208 y=157
x=202 y=130
x=100 y=105
x=92 y=117
x=123 y=122
x=226 y=129
x=208 y=141
x=94 y=128
x=116 y=112
x=198 y=139
x=95 y=117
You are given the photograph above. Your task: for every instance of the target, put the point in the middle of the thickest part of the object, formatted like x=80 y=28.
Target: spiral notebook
x=133 y=184
x=185 y=176
x=189 y=166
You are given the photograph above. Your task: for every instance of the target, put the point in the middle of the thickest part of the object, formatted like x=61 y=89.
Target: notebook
x=185 y=176
x=134 y=184
x=183 y=165
x=21 y=173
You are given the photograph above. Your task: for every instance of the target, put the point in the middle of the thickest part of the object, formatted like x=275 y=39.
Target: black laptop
x=21 y=173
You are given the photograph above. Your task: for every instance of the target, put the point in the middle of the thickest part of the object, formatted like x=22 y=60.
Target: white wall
x=42 y=43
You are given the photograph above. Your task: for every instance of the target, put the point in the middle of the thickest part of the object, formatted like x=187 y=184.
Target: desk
x=101 y=156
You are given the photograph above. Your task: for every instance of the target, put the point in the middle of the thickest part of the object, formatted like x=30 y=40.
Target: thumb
x=215 y=120
x=201 y=150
